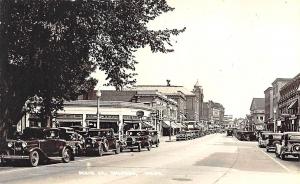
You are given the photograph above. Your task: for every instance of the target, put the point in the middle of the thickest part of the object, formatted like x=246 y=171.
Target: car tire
x=157 y=144
x=34 y=158
x=131 y=149
x=118 y=149
x=66 y=155
x=100 y=150
x=149 y=146
x=139 y=148
x=267 y=149
x=5 y=162
x=282 y=156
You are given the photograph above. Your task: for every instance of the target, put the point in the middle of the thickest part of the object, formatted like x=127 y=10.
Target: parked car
x=37 y=145
x=100 y=141
x=262 y=139
x=74 y=139
x=138 y=139
x=229 y=132
x=272 y=140
x=154 y=137
x=182 y=135
x=245 y=135
x=83 y=131
x=290 y=145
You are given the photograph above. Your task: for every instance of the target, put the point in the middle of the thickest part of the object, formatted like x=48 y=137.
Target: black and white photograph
x=149 y=91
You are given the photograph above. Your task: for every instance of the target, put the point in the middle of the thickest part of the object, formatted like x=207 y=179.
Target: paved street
x=210 y=159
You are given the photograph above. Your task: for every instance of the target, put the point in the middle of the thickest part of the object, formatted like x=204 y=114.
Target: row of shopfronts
x=121 y=116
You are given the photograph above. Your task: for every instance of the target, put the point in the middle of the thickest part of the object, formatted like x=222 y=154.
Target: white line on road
x=283 y=166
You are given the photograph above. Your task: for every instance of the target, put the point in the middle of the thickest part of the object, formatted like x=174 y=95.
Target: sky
x=234 y=48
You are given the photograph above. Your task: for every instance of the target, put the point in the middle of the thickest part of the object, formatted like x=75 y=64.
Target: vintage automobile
x=100 y=141
x=138 y=139
x=154 y=137
x=272 y=140
x=262 y=139
x=182 y=135
x=246 y=135
x=37 y=145
x=229 y=132
x=185 y=135
x=83 y=131
x=290 y=145
x=74 y=139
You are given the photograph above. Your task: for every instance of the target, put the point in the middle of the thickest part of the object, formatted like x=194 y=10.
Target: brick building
x=269 y=120
x=289 y=105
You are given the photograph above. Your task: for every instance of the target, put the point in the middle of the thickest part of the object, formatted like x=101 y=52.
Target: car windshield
x=137 y=133
x=94 y=133
x=50 y=134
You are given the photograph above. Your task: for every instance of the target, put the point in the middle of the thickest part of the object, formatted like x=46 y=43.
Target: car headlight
x=94 y=141
x=24 y=144
x=10 y=144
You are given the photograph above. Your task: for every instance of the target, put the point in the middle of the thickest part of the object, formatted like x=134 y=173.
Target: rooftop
x=167 y=90
x=258 y=104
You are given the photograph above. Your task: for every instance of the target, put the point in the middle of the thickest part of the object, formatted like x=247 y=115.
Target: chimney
x=168 y=82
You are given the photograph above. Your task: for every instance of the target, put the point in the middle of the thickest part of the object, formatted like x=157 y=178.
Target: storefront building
x=289 y=105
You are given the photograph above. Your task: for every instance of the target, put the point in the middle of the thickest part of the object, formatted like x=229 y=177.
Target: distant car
x=74 y=139
x=154 y=137
x=182 y=135
x=229 y=132
x=262 y=139
x=290 y=145
x=272 y=140
x=138 y=139
x=37 y=145
x=100 y=141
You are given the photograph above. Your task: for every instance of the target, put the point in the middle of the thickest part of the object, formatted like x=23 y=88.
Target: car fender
x=43 y=154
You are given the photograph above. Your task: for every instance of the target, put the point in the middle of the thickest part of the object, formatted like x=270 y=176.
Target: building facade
x=289 y=105
x=277 y=85
x=269 y=115
x=257 y=114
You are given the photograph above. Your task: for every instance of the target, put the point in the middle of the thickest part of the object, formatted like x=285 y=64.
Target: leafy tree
x=49 y=48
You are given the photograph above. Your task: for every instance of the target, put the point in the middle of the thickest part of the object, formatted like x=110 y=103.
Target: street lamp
x=98 y=104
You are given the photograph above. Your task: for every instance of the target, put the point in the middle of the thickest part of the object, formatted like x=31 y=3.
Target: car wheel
x=299 y=158
x=150 y=146
x=34 y=158
x=5 y=162
x=282 y=156
x=118 y=149
x=131 y=149
x=267 y=149
x=66 y=155
x=139 y=148
x=100 y=150
x=157 y=144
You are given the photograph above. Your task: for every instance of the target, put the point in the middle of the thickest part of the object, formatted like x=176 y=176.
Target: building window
x=261 y=118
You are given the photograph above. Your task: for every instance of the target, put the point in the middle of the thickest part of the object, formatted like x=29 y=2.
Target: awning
x=68 y=120
x=293 y=104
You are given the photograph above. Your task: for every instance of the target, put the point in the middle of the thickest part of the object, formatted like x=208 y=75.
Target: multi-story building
x=269 y=115
x=277 y=85
x=190 y=103
x=213 y=112
x=257 y=114
x=289 y=105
